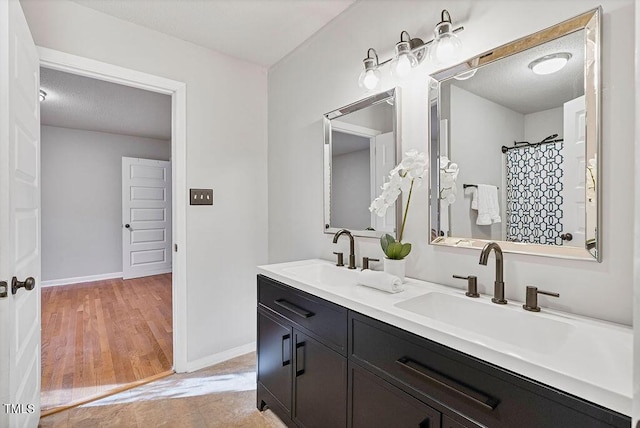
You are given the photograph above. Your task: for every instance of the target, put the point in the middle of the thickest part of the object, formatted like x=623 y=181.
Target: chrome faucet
x=352 y=252
x=498 y=285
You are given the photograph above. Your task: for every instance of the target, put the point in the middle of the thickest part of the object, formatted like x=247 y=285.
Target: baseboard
x=79 y=279
x=152 y=272
x=210 y=360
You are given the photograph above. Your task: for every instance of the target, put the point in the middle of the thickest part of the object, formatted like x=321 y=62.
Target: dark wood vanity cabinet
x=321 y=365
x=302 y=363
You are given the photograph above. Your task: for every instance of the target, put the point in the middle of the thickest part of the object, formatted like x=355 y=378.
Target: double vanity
x=332 y=353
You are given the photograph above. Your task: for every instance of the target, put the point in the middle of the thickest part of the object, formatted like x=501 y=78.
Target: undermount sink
x=502 y=323
x=327 y=275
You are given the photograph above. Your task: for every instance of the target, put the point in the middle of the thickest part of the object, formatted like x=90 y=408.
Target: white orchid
x=410 y=173
x=448 y=176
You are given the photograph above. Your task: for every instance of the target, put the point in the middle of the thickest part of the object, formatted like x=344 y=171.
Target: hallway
x=101 y=336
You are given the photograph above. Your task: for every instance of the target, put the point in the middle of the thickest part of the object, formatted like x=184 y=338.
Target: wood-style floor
x=100 y=336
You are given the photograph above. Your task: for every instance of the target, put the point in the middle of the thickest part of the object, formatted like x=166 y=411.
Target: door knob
x=28 y=284
x=128 y=226
x=3 y=288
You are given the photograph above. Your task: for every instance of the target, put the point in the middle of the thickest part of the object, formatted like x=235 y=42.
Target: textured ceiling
x=94 y=105
x=258 y=31
x=510 y=83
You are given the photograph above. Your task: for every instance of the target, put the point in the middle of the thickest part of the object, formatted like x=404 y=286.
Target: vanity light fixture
x=409 y=52
x=446 y=46
x=370 y=76
x=549 y=64
x=43 y=95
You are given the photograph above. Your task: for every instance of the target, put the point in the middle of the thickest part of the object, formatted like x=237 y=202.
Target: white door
x=146 y=217
x=383 y=161
x=19 y=220
x=573 y=205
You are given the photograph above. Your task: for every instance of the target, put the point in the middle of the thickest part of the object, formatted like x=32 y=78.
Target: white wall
x=494 y=127
x=351 y=189
x=541 y=124
x=82 y=198
x=226 y=150
x=636 y=234
x=601 y=290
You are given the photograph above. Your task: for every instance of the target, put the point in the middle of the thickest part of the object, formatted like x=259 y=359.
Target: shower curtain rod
x=518 y=144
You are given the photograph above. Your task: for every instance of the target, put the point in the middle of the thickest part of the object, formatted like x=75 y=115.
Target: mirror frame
x=391 y=94
x=590 y=22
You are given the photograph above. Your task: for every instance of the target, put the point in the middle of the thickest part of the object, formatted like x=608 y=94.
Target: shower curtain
x=534 y=194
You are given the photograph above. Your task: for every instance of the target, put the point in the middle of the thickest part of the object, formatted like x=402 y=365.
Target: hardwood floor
x=99 y=336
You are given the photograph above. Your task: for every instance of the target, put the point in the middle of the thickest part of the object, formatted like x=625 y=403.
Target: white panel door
x=573 y=204
x=146 y=217
x=19 y=220
x=383 y=160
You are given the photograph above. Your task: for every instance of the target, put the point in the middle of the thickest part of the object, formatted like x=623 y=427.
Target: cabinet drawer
x=452 y=381
x=326 y=320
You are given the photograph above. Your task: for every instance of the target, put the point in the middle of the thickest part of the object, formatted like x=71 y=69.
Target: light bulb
x=404 y=61
x=369 y=79
x=446 y=46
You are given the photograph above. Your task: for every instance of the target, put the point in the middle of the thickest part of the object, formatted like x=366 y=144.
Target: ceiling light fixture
x=411 y=52
x=549 y=64
x=43 y=95
x=370 y=76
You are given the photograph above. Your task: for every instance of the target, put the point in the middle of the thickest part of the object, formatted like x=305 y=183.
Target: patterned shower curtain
x=534 y=194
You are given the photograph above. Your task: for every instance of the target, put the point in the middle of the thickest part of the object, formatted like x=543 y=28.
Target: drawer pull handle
x=433 y=376
x=301 y=312
x=286 y=350
x=300 y=348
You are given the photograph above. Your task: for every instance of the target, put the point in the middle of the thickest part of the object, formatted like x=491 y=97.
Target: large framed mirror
x=522 y=125
x=361 y=147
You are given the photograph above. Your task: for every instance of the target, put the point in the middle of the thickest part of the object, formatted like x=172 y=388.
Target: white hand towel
x=380 y=280
x=473 y=191
x=488 y=206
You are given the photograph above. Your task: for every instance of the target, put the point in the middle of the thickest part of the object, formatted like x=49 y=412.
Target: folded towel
x=380 y=280
x=488 y=206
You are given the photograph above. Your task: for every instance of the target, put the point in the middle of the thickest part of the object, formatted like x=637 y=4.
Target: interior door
x=146 y=217
x=574 y=176
x=19 y=220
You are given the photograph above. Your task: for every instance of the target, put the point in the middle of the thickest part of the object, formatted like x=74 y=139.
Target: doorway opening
x=97 y=358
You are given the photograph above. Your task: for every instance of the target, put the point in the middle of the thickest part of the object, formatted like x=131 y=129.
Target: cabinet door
x=377 y=403
x=275 y=357
x=320 y=385
x=447 y=422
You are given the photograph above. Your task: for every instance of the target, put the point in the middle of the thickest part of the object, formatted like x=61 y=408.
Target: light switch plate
x=200 y=196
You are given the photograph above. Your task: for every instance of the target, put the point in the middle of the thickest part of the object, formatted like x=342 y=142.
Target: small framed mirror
x=361 y=147
x=515 y=142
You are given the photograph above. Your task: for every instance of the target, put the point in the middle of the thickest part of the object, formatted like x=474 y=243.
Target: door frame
x=61 y=61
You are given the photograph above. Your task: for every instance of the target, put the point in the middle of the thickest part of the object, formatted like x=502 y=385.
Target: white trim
x=80 y=279
x=349 y=128
x=57 y=60
x=220 y=357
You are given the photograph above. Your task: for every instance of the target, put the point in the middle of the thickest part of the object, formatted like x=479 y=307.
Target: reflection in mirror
x=360 y=149
x=523 y=133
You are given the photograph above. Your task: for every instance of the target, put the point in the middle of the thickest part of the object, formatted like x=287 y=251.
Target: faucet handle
x=366 y=260
x=472 y=285
x=340 y=258
x=531 y=302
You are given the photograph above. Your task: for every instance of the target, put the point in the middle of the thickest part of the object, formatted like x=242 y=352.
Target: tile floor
x=223 y=395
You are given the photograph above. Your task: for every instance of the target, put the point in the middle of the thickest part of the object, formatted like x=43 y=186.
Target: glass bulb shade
x=550 y=63
x=403 y=62
x=445 y=49
x=369 y=79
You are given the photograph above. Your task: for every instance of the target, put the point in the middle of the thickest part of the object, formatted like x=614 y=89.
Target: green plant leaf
x=394 y=250
x=405 y=250
x=385 y=240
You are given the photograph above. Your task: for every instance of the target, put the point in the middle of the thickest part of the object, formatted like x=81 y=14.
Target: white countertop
x=594 y=363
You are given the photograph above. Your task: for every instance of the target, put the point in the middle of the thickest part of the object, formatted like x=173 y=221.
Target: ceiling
x=79 y=102
x=259 y=31
x=510 y=83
